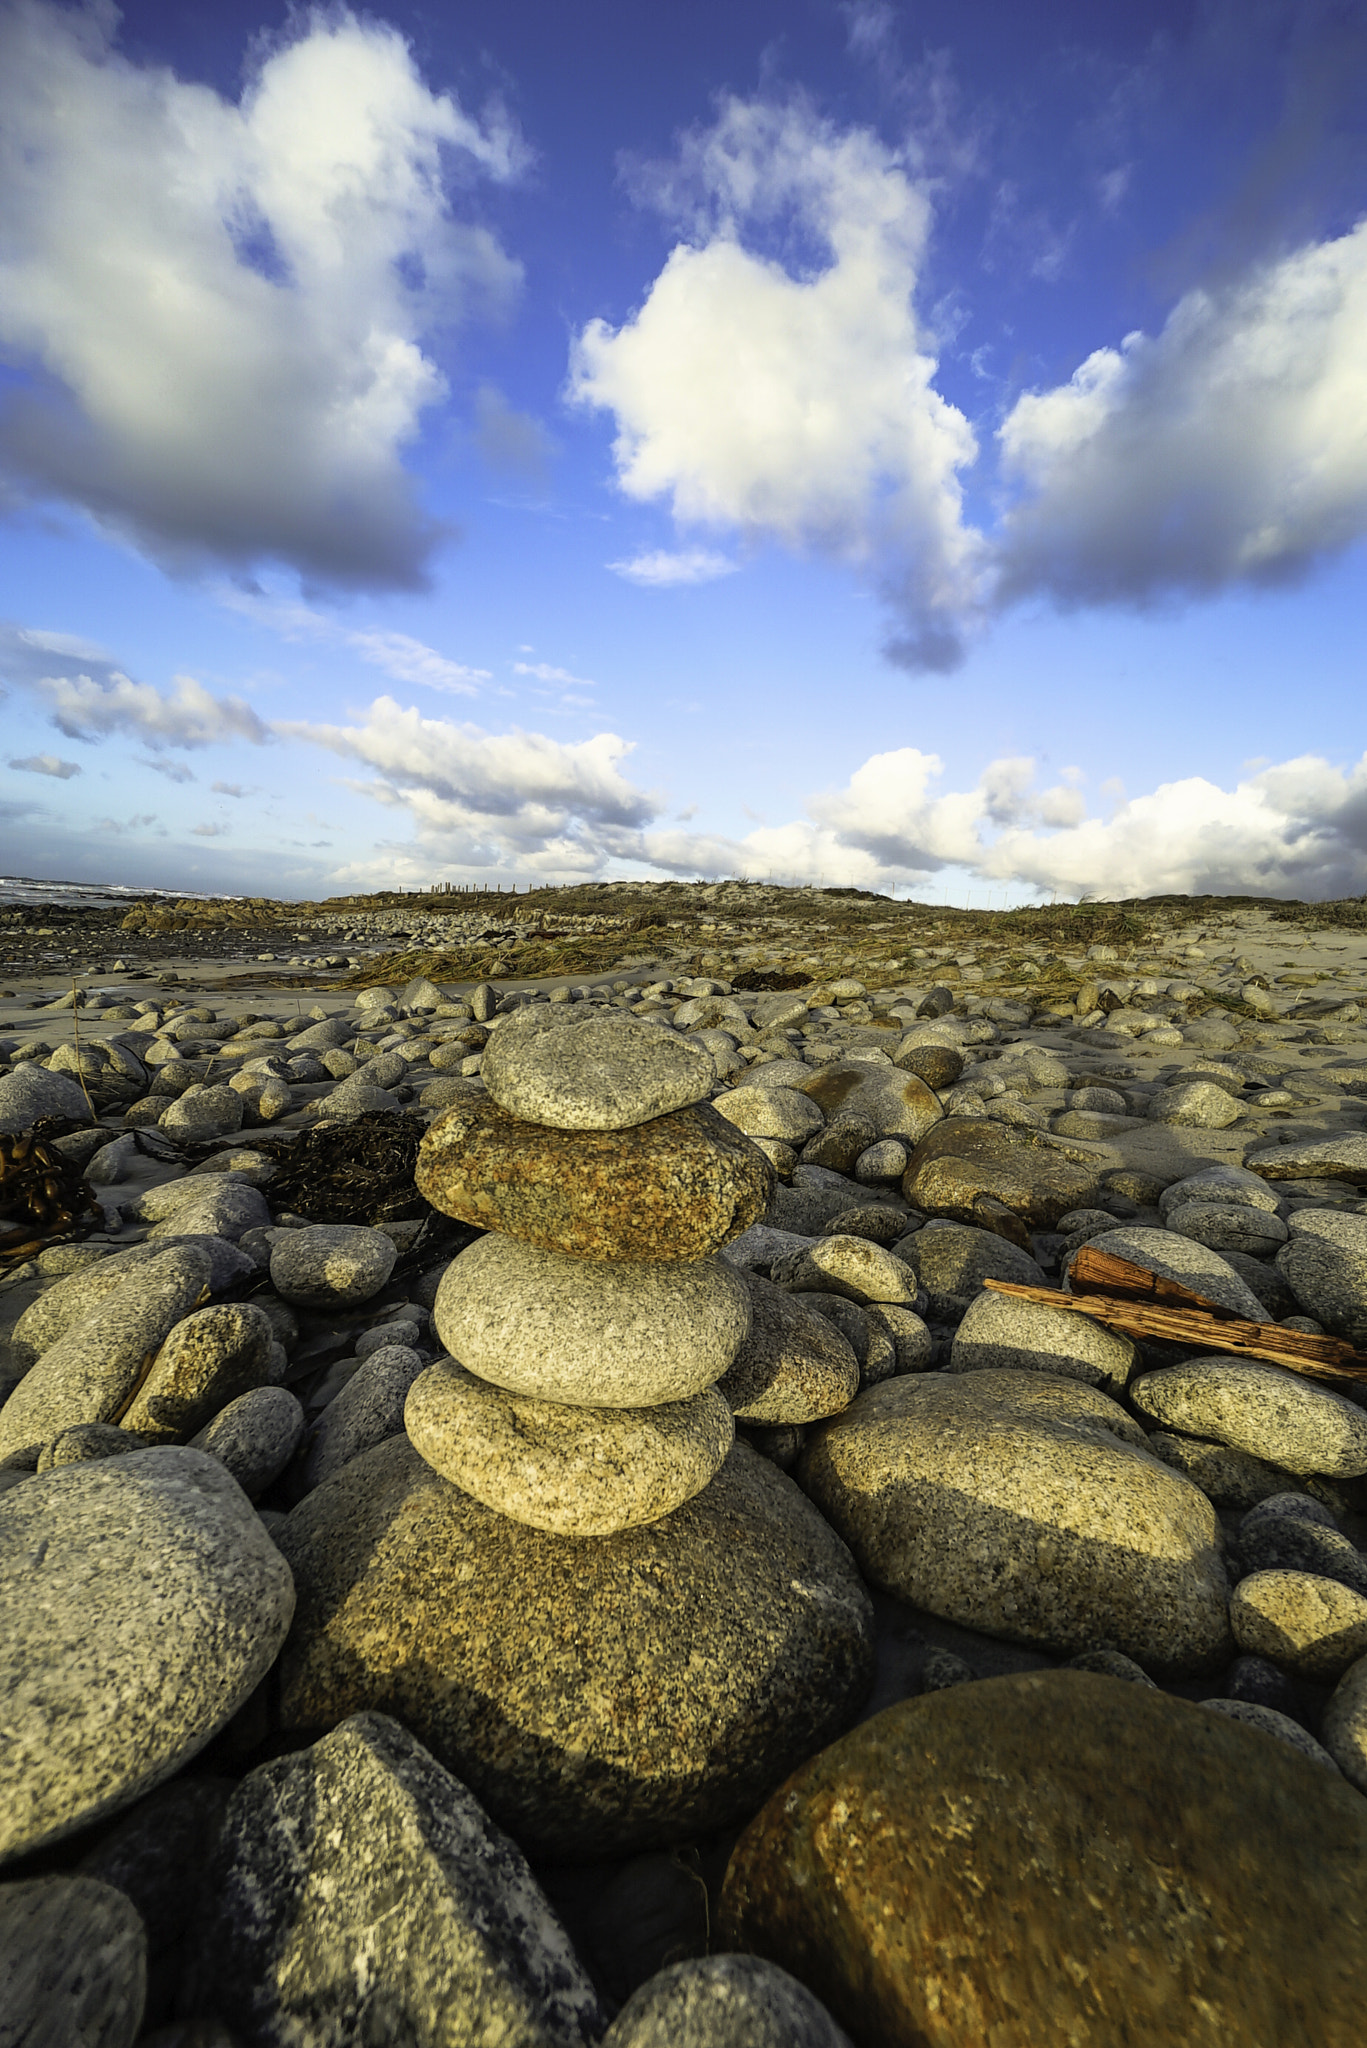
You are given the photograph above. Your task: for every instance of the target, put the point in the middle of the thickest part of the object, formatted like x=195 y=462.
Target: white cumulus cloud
x=482 y=796
x=188 y=715
x=796 y=403
x=1231 y=447
x=222 y=306
x=90 y=697
x=664 y=569
x=1298 y=828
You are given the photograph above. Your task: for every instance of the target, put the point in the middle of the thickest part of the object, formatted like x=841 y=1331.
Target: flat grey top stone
x=593 y=1073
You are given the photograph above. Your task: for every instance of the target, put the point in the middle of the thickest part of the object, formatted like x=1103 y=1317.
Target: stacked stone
x=593 y=1322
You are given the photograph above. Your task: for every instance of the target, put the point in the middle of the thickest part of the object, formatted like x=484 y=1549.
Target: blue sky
x=916 y=446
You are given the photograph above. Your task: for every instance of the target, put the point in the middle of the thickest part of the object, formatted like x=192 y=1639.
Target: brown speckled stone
x=1060 y=1857
x=598 y=1697
x=678 y=1187
x=965 y=1157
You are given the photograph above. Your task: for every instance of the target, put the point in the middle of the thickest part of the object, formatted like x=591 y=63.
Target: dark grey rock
x=1285 y=1543
x=1279 y=1725
x=368 y=1409
x=140 y=1603
x=1110 y=1664
x=727 y=2001
x=255 y=1436
x=360 y=1894
x=518 y=1657
x=73 y=1965
x=952 y=1260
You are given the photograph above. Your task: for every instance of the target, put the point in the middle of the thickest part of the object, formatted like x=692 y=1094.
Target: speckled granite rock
x=209 y=1359
x=1025 y=1506
x=94 y=1369
x=964 y=1157
x=623 y=1334
x=573 y=1471
x=581 y=1070
x=140 y=1602
x=73 y=1965
x=1301 y=1622
x=1072 y=1800
x=359 y=1894
x=596 y=1697
x=677 y=1187
x=1342 y=1157
x=724 y=2002
x=793 y=1367
x=1271 y=1413
x=894 y=1103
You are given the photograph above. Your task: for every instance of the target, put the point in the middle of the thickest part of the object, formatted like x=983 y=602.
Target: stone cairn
x=617 y=1623
x=592 y=1325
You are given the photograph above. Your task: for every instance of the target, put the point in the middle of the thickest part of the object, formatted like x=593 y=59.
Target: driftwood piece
x=1142 y=1304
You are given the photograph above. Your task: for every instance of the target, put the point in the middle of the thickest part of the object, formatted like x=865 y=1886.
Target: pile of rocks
x=653 y=1682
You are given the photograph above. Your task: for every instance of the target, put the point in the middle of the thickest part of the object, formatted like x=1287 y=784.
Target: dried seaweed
x=769 y=981
x=356 y=1171
x=44 y=1198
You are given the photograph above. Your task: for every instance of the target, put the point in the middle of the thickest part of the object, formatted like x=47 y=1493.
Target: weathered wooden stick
x=1208 y=1327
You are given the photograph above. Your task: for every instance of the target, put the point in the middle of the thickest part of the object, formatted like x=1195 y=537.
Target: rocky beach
x=694 y=1463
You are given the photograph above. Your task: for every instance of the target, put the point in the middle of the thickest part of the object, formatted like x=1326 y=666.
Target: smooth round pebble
x=331 y=1265
x=572 y=1470
x=724 y=2002
x=616 y=1334
x=255 y=1436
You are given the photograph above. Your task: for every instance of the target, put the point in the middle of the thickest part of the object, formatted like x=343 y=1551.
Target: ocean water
x=19 y=889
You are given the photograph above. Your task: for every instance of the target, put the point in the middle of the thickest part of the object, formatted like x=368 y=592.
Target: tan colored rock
x=573 y=1471
x=678 y=1187
x=1025 y=1506
x=894 y=1103
x=1058 y=1857
x=1309 y=1625
x=625 y=1334
x=206 y=1362
x=793 y=1367
x=851 y=1266
x=964 y=1157
x=597 y=1698
x=783 y=1113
